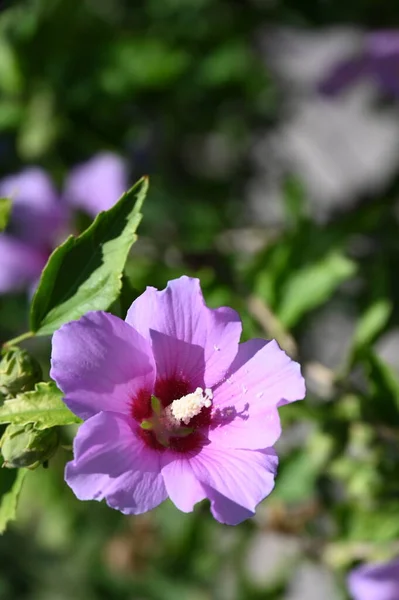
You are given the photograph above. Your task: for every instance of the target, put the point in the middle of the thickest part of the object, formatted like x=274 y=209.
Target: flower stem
x=18 y=339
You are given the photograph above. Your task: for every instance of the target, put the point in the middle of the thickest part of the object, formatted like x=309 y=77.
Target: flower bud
x=25 y=446
x=18 y=372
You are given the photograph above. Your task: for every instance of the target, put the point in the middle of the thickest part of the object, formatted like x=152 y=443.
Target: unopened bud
x=19 y=372
x=25 y=446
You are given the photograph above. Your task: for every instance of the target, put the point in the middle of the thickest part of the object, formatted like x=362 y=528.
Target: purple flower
x=375 y=581
x=97 y=184
x=37 y=221
x=20 y=264
x=378 y=60
x=40 y=217
x=37 y=213
x=173 y=405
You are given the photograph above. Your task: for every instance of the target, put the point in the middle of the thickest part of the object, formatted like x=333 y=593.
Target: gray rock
x=312 y=581
x=329 y=337
x=269 y=558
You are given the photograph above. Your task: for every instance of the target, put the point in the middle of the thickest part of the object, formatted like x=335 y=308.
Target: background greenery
x=164 y=83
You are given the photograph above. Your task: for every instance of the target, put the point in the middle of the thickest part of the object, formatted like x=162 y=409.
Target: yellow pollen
x=187 y=407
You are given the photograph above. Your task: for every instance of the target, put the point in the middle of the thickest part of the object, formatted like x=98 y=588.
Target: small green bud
x=25 y=446
x=19 y=372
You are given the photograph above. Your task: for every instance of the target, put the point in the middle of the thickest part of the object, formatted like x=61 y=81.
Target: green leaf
x=5 y=210
x=375 y=525
x=384 y=385
x=298 y=477
x=294 y=200
x=297 y=480
x=42 y=406
x=39 y=125
x=312 y=285
x=145 y=62
x=372 y=322
x=274 y=264
x=227 y=63
x=9 y=501
x=85 y=273
x=11 y=79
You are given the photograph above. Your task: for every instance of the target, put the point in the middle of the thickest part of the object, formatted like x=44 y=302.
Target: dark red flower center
x=159 y=428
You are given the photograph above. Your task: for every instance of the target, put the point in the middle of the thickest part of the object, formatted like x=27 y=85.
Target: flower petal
x=111 y=462
x=20 y=264
x=377 y=581
x=244 y=477
x=37 y=214
x=98 y=183
x=248 y=428
x=30 y=185
x=101 y=363
x=182 y=486
x=344 y=74
x=225 y=510
x=261 y=378
x=188 y=338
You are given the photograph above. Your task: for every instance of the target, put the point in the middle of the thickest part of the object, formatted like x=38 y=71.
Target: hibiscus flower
x=173 y=405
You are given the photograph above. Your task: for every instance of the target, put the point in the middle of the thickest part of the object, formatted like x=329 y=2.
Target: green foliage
x=295 y=201
x=147 y=63
x=297 y=480
x=182 y=88
x=42 y=406
x=10 y=73
x=5 y=210
x=312 y=285
x=376 y=526
x=85 y=273
x=228 y=64
x=371 y=322
x=384 y=389
x=9 y=500
x=40 y=125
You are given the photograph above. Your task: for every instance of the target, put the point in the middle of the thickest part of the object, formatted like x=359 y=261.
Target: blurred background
x=270 y=131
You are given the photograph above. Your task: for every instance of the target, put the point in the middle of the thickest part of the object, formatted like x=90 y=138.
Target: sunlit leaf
x=85 y=273
x=312 y=285
x=372 y=322
x=42 y=406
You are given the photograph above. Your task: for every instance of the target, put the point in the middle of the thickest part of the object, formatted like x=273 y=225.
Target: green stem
x=18 y=339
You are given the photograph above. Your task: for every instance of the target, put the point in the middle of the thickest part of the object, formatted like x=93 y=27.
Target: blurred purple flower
x=40 y=217
x=20 y=264
x=95 y=185
x=37 y=213
x=37 y=221
x=378 y=581
x=378 y=61
x=173 y=405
